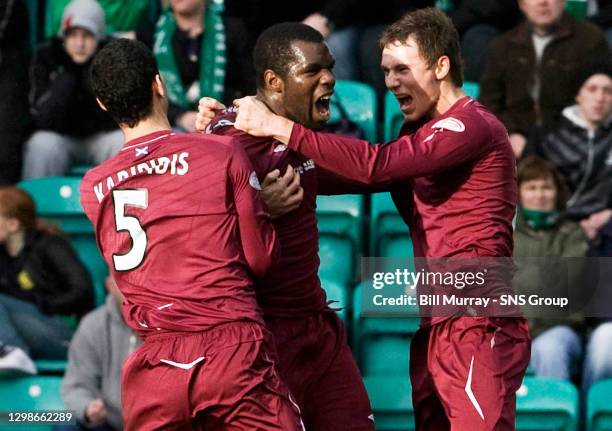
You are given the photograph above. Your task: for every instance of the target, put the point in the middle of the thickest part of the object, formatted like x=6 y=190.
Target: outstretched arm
x=430 y=150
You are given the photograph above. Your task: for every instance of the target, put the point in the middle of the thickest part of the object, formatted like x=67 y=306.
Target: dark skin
x=309 y=78
x=297 y=96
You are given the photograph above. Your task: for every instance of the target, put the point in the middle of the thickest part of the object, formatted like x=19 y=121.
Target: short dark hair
x=435 y=35
x=122 y=76
x=273 y=47
x=535 y=168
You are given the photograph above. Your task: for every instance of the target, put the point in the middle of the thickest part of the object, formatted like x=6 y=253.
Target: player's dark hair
x=122 y=76
x=273 y=48
x=435 y=35
x=535 y=168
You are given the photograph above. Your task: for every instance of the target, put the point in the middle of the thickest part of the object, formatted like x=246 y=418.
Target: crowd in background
x=545 y=73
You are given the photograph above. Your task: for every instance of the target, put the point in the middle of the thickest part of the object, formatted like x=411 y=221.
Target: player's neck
x=152 y=124
x=274 y=104
x=449 y=95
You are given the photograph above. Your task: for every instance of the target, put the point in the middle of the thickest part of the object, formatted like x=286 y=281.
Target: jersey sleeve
x=330 y=183
x=256 y=232
x=429 y=151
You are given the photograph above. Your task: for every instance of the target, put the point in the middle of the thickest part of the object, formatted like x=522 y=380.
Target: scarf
x=212 y=56
x=537 y=220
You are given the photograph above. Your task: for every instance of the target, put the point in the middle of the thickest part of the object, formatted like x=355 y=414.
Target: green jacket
x=549 y=277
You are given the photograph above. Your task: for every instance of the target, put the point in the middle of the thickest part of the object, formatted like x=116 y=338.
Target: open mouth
x=405 y=101
x=322 y=105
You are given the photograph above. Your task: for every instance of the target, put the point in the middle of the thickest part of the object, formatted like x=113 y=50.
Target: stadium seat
x=32 y=393
x=546 y=404
x=399 y=322
x=389 y=235
x=340 y=220
x=338 y=293
x=78 y=170
x=385 y=355
x=360 y=103
x=51 y=366
x=599 y=406
x=394 y=119
x=57 y=200
x=391 y=399
x=33 y=10
x=578 y=8
x=472 y=89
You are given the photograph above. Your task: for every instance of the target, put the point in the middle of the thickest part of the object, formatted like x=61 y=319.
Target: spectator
x=14 y=58
x=478 y=23
x=40 y=277
x=200 y=53
x=599 y=12
x=530 y=69
x=579 y=143
x=92 y=383
x=71 y=127
x=543 y=231
x=131 y=19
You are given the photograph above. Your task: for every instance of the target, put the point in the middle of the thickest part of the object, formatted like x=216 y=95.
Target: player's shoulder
x=223 y=122
x=467 y=116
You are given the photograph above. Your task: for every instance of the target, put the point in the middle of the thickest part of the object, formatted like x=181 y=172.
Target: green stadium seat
x=394 y=119
x=58 y=200
x=51 y=366
x=340 y=220
x=33 y=8
x=599 y=406
x=472 y=89
x=385 y=355
x=389 y=235
x=391 y=399
x=578 y=8
x=32 y=393
x=546 y=404
x=338 y=293
x=79 y=170
x=401 y=322
x=360 y=103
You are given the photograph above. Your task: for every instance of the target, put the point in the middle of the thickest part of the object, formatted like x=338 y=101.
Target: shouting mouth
x=405 y=101
x=322 y=105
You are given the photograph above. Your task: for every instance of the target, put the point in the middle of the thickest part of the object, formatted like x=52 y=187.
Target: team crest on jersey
x=254 y=181
x=449 y=123
x=280 y=148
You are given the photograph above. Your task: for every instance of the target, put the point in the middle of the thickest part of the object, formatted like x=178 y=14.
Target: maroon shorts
x=465 y=373
x=319 y=368
x=221 y=379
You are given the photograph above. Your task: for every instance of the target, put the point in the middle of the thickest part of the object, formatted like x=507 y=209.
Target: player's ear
x=101 y=105
x=273 y=82
x=442 y=67
x=158 y=86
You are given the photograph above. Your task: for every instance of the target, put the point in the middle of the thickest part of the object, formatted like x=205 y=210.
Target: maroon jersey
x=179 y=221
x=461 y=171
x=293 y=287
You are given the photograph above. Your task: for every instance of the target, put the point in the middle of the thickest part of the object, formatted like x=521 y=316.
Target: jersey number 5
x=136 y=198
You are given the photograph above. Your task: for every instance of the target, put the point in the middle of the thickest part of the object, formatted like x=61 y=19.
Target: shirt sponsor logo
x=449 y=123
x=254 y=181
